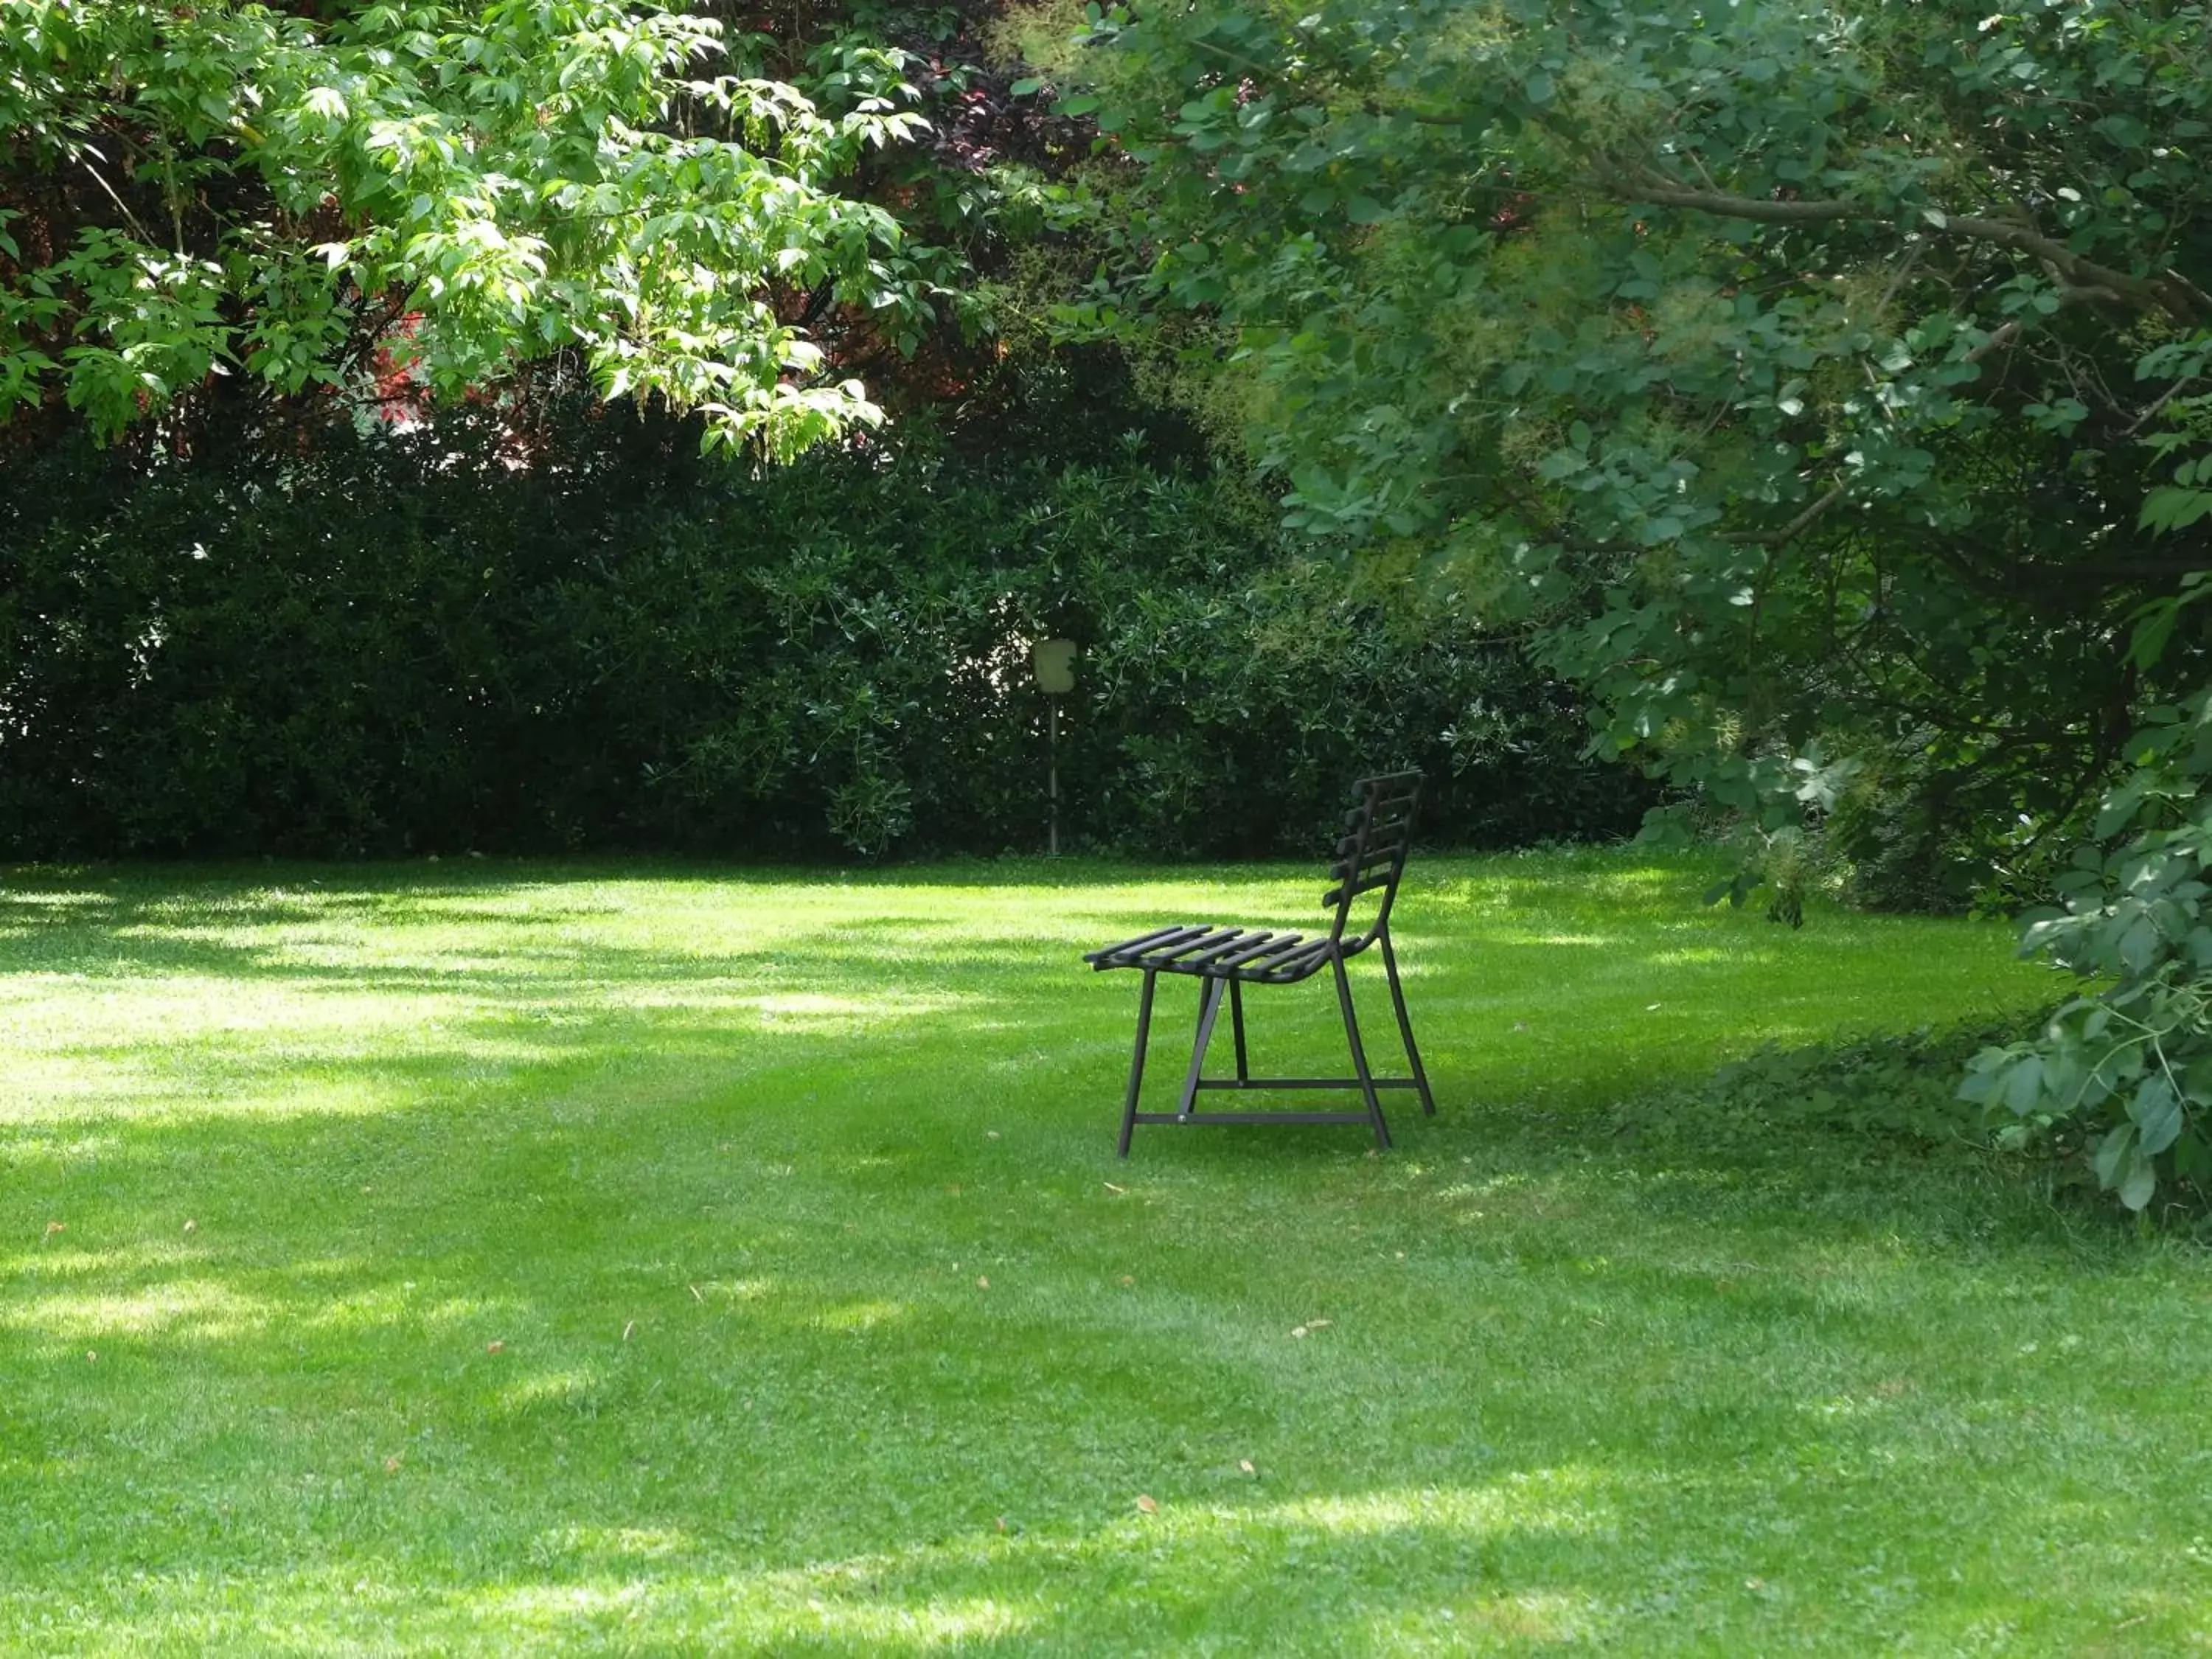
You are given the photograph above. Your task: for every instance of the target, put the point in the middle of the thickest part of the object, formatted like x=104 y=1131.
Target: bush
x=582 y=636
x=2123 y=1072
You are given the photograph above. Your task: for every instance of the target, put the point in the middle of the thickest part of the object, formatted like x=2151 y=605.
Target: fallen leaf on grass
x=53 y=1227
x=981 y=1283
x=1146 y=1504
x=90 y=1355
x=1245 y=1464
x=1128 y=1279
x=392 y=1466
x=495 y=1347
x=191 y=1226
x=1317 y=1324
x=1300 y=1331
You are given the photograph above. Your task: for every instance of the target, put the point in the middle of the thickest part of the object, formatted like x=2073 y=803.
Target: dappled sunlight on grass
x=497 y=1259
x=526 y=1397
x=860 y=1316
x=1547 y=1500
x=178 y=1309
x=1521 y=1621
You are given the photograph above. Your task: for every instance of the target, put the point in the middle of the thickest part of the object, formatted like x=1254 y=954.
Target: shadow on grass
x=764 y=1282
x=746 y=1404
x=757 y=1399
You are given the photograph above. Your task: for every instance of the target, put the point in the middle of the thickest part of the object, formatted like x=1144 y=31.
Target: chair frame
x=1371 y=857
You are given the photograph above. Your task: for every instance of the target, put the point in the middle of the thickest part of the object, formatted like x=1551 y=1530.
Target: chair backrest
x=1371 y=856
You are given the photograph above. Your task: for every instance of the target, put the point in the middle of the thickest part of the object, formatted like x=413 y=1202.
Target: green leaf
x=2168 y=506
x=2157 y=1113
x=2154 y=627
x=2139 y=944
x=2138 y=1180
x=2110 y=1159
x=2023 y=1089
x=1539 y=88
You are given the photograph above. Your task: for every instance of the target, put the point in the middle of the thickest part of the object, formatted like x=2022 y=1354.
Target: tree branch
x=1791 y=531
x=1656 y=189
x=2167 y=292
x=1998 y=340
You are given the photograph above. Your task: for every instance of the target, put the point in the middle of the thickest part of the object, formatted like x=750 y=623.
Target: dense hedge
x=469 y=637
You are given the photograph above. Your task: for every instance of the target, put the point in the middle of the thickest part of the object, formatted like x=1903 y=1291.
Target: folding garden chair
x=1369 y=859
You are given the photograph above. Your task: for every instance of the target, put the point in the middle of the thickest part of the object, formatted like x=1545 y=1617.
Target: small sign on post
x=1053 y=663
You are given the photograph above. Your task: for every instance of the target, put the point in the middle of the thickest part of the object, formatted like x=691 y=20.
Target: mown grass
x=666 y=1260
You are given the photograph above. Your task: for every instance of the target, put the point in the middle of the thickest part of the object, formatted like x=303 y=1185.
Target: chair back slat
x=1370 y=858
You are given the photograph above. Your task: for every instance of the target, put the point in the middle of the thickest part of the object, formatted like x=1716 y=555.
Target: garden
x=600 y=600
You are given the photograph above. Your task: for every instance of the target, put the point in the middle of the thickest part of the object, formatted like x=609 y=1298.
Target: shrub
x=2124 y=1070
x=582 y=636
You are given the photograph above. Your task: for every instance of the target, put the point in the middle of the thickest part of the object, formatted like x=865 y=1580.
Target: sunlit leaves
x=511 y=180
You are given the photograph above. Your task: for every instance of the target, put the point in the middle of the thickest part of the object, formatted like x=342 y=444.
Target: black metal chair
x=1369 y=859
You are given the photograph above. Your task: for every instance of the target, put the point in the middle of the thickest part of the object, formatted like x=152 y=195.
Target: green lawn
x=480 y=1257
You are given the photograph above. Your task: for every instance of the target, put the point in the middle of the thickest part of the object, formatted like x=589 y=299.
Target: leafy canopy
x=1790 y=365
x=241 y=189
x=1823 y=386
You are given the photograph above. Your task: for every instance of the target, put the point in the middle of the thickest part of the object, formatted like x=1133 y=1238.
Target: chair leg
x=1236 y=1023
x=1209 y=1010
x=1405 y=1025
x=1137 y=1062
x=1359 y=1057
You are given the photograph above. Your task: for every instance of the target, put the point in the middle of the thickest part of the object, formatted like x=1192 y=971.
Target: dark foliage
x=575 y=633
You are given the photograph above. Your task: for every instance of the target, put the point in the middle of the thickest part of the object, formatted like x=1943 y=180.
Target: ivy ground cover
x=479 y=1257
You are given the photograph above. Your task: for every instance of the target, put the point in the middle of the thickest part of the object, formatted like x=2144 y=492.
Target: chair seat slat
x=1173 y=954
x=1218 y=958
x=1294 y=965
x=1125 y=954
x=1107 y=957
x=1285 y=957
x=1256 y=947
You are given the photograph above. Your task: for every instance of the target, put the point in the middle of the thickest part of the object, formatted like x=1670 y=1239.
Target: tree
x=1808 y=378
x=298 y=198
